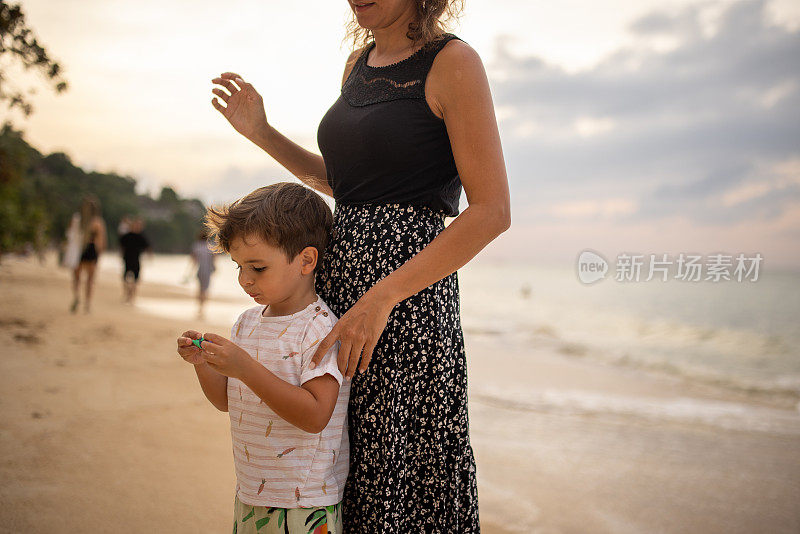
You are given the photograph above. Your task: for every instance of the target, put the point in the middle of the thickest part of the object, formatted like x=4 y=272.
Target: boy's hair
x=286 y=215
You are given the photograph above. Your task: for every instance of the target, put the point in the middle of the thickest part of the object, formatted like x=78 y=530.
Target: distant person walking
x=204 y=258
x=93 y=233
x=132 y=244
x=123 y=228
x=74 y=244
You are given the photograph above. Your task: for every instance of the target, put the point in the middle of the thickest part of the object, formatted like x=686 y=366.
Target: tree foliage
x=18 y=42
x=39 y=193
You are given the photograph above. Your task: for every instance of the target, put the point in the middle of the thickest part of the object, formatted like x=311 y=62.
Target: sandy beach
x=105 y=429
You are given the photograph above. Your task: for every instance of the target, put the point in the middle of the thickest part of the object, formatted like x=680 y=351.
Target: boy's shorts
x=249 y=519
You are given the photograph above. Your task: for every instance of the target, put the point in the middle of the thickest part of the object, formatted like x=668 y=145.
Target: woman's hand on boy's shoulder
x=225 y=356
x=358 y=331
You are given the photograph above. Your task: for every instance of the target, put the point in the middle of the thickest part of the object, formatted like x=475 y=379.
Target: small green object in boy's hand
x=197 y=342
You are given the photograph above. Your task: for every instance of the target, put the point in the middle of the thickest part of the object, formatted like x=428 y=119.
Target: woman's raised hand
x=244 y=107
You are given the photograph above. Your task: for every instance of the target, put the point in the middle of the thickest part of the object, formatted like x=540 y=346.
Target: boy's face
x=267 y=274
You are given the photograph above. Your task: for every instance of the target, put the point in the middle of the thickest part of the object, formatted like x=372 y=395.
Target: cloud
x=686 y=129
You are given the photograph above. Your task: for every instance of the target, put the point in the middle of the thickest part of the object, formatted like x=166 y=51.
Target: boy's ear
x=308 y=259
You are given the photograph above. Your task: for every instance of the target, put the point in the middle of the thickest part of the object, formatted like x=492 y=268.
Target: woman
x=414 y=123
x=93 y=230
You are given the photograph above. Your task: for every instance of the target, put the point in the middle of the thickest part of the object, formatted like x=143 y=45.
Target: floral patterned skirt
x=411 y=463
x=249 y=519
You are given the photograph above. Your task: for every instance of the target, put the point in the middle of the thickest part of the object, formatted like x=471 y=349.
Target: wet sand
x=104 y=428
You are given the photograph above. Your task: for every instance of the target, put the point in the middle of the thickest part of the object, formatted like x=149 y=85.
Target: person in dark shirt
x=132 y=245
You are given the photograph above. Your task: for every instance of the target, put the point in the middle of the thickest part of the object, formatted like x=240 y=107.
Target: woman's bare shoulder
x=454 y=57
x=456 y=64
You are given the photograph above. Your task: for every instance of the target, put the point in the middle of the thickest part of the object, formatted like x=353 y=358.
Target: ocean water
x=739 y=335
x=743 y=335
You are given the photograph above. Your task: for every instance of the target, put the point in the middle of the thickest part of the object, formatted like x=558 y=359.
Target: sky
x=627 y=126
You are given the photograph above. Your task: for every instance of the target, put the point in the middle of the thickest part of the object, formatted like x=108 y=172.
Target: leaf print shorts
x=249 y=519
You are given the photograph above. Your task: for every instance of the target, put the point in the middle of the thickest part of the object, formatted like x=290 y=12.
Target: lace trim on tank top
x=405 y=79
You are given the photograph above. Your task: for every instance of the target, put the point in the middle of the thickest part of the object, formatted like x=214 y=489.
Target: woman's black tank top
x=381 y=142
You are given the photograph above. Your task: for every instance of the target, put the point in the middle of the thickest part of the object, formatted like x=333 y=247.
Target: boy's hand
x=189 y=350
x=225 y=356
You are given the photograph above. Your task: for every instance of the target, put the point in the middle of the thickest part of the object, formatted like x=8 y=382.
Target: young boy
x=288 y=422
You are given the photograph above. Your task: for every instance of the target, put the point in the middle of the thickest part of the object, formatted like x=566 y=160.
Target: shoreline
x=102 y=419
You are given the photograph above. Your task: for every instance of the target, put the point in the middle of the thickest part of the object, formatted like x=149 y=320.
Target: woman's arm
x=459 y=87
x=308 y=167
x=245 y=111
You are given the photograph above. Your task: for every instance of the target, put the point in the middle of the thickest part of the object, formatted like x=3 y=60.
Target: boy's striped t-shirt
x=278 y=464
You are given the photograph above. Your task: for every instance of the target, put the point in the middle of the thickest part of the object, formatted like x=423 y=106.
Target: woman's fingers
x=222 y=94
x=232 y=90
x=352 y=345
x=191 y=334
x=323 y=347
x=233 y=76
x=226 y=84
x=367 y=355
x=352 y=348
x=343 y=358
x=355 y=355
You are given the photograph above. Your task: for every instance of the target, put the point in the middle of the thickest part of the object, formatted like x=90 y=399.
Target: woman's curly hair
x=433 y=18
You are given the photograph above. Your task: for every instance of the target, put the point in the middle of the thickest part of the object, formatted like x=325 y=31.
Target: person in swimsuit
x=414 y=123
x=93 y=230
